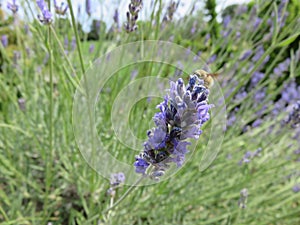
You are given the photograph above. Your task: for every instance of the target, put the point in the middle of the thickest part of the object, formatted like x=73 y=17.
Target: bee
x=155 y=156
x=208 y=78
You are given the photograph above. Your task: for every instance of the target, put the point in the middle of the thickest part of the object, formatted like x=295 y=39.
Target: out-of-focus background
x=252 y=45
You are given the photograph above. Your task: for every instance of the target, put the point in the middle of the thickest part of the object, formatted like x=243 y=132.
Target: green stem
x=86 y=89
x=49 y=156
x=124 y=195
x=76 y=36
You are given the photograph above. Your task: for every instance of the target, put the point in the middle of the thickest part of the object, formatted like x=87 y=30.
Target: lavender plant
x=13 y=7
x=182 y=114
x=46 y=17
x=132 y=15
x=60 y=9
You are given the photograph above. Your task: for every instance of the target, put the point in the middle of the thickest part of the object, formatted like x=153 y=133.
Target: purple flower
x=13 y=6
x=207 y=37
x=4 y=40
x=91 y=48
x=245 y=55
x=294 y=116
x=257 y=122
x=181 y=116
x=260 y=95
x=88 y=7
x=66 y=42
x=256 y=77
x=140 y=165
x=132 y=15
x=116 y=179
x=259 y=52
x=242 y=203
x=257 y=22
x=226 y=21
x=194 y=27
x=296 y=188
x=73 y=44
x=241 y=9
x=46 y=17
x=22 y=104
x=212 y=59
x=60 y=10
x=116 y=17
x=282 y=67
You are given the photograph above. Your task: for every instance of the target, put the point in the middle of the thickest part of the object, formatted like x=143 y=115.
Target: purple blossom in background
x=225 y=33
x=296 y=188
x=91 y=48
x=238 y=34
x=290 y=92
x=241 y=9
x=46 y=59
x=260 y=95
x=132 y=15
x=66 y=43
x=207 y=37
x=22 y=104
x=240 y=95
x=26 y=29
x=179 y=68
x=194 y=27
x=256 y=77
x=242 y=203
x=226 y=21
x=231 y=120
x=116 y=179
x=88 y=7
x=294 y=117
x=46 y=17
x=249 y=155
x=197 y=56
x=245 y=55
x=257 y=22
x=73 y=43
x=282 y=67
x=212 y=59
x=61 y=10
x=257 y=123
x=181 y=116
x=116 y=17
x=133 y=74
x=259 y=53
x=13 y=6
x=297 y=152
x=4 y=40
x=16 y=57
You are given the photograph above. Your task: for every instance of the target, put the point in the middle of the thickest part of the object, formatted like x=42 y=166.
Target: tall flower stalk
x=182 y=114
x=132 y=15
x=46 y=19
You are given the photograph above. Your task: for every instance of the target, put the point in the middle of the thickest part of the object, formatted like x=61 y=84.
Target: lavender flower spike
x=294 y=116
x=182 y=114
x=4 y=40
x=46 y=17
x=13 y=7
x=134 y=8
x=60 y=10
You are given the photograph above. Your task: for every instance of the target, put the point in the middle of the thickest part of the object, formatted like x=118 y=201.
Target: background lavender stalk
x=13 y=6
x=181 y=116
x=132 y=15
x=46 y=17
x=60 y=10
